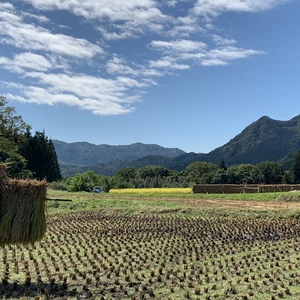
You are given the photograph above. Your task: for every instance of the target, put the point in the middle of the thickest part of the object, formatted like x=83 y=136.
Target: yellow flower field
x=152 y=191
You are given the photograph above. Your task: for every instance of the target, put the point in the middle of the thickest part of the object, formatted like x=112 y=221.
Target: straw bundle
x=3 y=178
x=22 y=210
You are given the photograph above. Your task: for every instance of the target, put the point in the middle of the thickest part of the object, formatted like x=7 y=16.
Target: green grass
x=244 y=197
x=83 y=201
x=172 y=203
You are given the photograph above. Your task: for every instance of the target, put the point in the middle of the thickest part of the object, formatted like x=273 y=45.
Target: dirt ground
x=221 y=203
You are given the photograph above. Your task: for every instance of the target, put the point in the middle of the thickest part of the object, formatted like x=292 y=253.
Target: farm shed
x=22 y=210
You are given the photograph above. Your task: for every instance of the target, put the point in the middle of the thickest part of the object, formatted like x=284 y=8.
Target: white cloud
x=69 y=69
x=213 y=62
x=201 y=56
x=171 y=2
x=40 y=18
x=83 y=91
x=6 y=6
x=184 y=27
x=134 y=17
x=15 y=32
x=168 y=63
x=32 y=61
x=178 y=45
x=175 y=52
x=38 y=95
x=232 y=53
x=85 y=85
x=222 y=56
x=222 y=41
x=112 y=10
x=101 y=96
x=118 y=66
x=108 y=35
x=25 y=61
x=211 y=9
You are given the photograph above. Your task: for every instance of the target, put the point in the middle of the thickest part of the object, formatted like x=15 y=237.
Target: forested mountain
x=83 y=153
x=263 y=140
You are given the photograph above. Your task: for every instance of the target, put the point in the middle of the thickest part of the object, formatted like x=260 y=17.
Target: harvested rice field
x=170 y=250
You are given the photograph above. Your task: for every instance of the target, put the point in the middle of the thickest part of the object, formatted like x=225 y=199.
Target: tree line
x=268 y=172
x=26 y=155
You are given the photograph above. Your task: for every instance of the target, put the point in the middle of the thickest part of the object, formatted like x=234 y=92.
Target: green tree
x=85 y=181
x=240 y=174
x=152 y=171
x=269 y=172
x=287 y=177
x=12 y=137
x=197 y=170
x=127 y=173
x=41 y=156
x=295 y=170
x=220 y=177
x=207 y=178
x=76 y=183
x=222 y=164
x=107 y=183
x=124 y=178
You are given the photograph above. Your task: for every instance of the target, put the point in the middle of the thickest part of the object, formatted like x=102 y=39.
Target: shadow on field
x=45 y=290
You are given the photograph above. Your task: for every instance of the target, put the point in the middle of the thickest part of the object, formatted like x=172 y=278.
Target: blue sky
x=189 y=74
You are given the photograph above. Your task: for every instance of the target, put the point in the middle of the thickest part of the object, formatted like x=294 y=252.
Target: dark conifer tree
x=222 y=164
x=41 y=157
x=296 y=167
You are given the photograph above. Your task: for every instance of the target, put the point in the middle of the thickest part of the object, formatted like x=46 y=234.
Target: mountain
x=83 y=153
x=263 y=140
x=108 y=169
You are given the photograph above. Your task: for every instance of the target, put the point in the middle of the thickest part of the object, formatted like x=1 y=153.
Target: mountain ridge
x=263 y=140
x=84 y=153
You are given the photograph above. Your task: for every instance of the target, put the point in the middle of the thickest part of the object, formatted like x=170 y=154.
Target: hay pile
x=22 y=210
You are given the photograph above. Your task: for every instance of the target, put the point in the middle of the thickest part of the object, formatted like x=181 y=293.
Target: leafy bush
x=61 y=185
x=84 y=182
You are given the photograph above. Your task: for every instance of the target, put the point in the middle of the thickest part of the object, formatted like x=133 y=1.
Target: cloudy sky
x=189 y=74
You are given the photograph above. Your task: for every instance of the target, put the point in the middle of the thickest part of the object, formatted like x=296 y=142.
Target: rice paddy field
x=160 y=245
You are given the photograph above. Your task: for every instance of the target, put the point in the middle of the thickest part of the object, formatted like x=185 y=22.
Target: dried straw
x=22 y=210
x=3 y=178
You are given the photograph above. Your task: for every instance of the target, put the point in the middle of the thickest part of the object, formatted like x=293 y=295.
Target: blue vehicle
x=98 y=189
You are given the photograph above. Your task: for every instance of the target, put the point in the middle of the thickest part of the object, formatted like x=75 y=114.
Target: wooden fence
x=241 y=188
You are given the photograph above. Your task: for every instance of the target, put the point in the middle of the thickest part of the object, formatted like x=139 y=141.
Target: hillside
x=83 y=153
x=263 y=140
